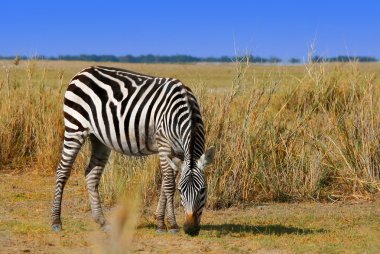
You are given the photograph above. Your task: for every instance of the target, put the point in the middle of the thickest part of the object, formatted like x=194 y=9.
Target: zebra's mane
x=193 y=125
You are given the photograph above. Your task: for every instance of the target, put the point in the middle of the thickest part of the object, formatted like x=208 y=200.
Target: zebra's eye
x=202 y=191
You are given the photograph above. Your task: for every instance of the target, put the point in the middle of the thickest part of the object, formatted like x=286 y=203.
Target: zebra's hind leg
x=72 y=143
x=99 y=158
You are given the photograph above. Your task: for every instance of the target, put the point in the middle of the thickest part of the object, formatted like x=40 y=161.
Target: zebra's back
x=121 y=108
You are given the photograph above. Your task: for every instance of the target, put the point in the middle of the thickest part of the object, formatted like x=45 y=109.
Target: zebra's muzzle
x=191 y=226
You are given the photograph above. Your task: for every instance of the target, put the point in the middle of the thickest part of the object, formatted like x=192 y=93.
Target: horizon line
x=185 y=58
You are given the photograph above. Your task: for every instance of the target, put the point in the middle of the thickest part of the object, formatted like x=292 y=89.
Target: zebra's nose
x=191 y=226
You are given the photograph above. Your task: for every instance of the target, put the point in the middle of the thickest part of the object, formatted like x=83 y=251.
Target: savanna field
x=297 y=168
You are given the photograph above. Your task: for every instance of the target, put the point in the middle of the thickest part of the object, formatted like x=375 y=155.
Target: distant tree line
x=344 y=59
x=150 y=58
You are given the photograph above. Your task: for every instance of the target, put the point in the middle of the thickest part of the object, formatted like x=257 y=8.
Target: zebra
x=136 y=115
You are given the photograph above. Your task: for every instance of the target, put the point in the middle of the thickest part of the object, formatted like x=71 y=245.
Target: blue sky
x=200 y=28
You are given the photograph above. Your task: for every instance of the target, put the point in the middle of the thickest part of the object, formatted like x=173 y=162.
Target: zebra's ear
x=175 y=163
x=207 y=158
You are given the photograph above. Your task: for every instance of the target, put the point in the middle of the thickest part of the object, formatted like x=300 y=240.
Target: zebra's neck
x=191 y=132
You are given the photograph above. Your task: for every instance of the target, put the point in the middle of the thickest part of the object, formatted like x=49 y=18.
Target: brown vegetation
x=282 y=133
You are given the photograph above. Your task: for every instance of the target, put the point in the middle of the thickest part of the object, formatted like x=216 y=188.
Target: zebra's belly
x=133 y=147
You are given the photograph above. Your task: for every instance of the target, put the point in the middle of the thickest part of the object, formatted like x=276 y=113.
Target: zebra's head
x=193 y=189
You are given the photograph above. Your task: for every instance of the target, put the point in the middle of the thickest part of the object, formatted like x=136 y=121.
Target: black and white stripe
x=136 y=115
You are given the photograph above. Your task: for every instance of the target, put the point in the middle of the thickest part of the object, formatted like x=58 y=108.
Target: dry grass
x=282 y=133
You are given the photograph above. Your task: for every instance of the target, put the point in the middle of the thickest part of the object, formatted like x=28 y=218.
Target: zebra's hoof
x=160 y=231
x=174 y=231
x=56 y=227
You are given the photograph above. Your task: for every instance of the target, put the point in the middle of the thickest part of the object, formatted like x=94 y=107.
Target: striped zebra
x=136 y=115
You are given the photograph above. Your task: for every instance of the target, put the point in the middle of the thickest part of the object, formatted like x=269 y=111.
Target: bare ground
x=350 y=227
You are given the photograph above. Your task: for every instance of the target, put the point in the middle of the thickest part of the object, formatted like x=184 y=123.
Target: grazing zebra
x=136 y=115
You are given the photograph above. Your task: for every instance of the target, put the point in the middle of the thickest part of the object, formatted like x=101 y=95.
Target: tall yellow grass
x=279 y=135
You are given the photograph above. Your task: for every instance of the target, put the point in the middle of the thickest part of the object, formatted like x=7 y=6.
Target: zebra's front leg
x=99 y=158
x=160 y=211
x=171 y=219
x=168 y=188
x=165 y=204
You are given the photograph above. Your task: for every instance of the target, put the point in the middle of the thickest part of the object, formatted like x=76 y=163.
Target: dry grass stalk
x=311 y=136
